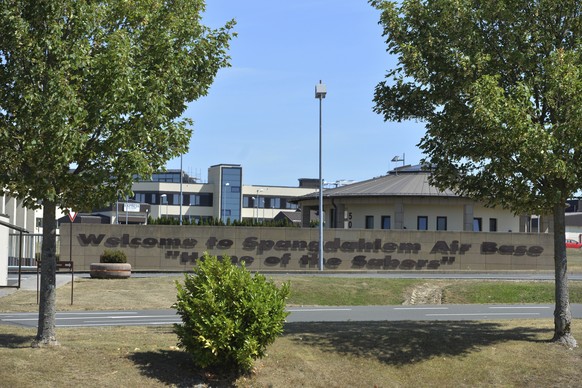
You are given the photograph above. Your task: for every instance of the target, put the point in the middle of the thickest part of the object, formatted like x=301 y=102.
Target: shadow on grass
x=171 y=367
x=14 y=341
x=405 y=342
x=175 y=368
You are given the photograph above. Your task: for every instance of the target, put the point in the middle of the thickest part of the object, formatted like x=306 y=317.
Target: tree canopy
x=499 y=86
x=93 y=93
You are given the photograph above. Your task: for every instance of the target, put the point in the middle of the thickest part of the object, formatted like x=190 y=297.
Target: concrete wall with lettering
x=177 y=248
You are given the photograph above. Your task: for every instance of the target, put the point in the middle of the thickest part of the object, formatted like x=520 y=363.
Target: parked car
x=573 y=244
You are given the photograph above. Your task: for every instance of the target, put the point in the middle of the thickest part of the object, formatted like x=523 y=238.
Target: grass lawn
x=346 y=354
x=574 y=260
x=360 y=354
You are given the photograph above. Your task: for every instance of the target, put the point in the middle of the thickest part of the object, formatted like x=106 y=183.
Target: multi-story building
x=224 y=196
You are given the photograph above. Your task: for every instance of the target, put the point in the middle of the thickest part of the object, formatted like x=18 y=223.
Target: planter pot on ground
x=110 y=270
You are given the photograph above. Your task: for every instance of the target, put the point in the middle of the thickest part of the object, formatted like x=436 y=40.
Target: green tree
x=92 y=93
x=499 y=86
x=229 y=316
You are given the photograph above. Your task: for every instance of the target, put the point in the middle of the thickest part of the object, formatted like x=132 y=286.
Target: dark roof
x=293 y=216
x=409 y=181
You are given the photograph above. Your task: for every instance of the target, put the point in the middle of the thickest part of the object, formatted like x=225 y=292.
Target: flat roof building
x=224 y=196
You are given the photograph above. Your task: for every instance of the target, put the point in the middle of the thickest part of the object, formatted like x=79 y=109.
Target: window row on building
x=207 y=199
x=173 y=194
x=405 y=199
x=422 y=223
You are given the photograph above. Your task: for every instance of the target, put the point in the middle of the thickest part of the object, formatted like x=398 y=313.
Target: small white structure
x=5 y=228
x=574 y=226
x=4 y=232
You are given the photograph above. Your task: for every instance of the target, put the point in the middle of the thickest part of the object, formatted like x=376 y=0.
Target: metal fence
x=31 y=248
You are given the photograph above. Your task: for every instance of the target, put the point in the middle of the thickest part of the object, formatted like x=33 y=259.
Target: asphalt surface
x=306 y=314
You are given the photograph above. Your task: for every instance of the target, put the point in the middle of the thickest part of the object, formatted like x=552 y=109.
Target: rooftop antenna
x=397 y=159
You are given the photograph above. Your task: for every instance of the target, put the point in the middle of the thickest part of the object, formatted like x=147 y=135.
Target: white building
x=29 y=219
x=404 y=199
x=224 y=196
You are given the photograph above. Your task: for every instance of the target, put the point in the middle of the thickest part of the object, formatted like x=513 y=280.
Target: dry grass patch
x=102 y=294
x=160 y=293
x=334 y=291
x=358 y=354
x=433 y=354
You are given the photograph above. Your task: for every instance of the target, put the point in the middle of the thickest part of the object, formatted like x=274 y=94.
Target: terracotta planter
x=110 y=270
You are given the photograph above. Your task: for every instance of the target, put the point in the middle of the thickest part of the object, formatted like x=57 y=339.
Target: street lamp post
x=181 y=193
x=320 y=92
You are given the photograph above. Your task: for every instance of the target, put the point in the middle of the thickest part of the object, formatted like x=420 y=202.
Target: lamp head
x=320 y=90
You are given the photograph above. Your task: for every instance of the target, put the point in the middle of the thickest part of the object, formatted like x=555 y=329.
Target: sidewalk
x=28 y=282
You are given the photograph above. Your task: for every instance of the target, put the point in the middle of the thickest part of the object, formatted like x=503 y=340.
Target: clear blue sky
x=262 y=113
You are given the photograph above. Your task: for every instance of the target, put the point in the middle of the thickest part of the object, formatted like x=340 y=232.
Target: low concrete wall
x=177 y=248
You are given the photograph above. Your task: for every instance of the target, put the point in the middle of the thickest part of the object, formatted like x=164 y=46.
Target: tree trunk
x=46 y=335
x=562 y=314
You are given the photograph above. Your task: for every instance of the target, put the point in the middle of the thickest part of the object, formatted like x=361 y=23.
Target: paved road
x=313 y=314
x=307 y=314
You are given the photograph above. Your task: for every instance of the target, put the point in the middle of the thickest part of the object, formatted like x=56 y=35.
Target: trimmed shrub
x=229 y=316
x=113 y=256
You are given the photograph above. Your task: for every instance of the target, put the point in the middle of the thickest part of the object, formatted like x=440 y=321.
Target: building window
x=369 y=222
x=193 y=200
x=200 y=199
x=477 y=224
x=230 y=195
x=276 y=203
x=441 y=223
x=272 y=202
x=173 y=177
x=206 y=199
x=386 y=222
x=493 y=224
x=422 y=223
